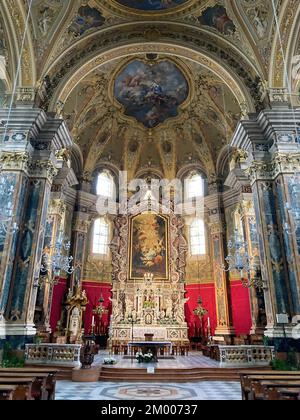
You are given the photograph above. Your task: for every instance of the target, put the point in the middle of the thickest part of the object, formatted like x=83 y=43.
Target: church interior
x=150 y=200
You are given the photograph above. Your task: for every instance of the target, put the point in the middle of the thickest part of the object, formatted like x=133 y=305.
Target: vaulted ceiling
x=227 y=52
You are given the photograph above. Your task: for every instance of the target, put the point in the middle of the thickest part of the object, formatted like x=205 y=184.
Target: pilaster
x=271 y=142
x=217 y=232
x=27 y=152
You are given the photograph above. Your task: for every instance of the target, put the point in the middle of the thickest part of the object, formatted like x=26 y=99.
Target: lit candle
x=208 y=322
x=93 y=321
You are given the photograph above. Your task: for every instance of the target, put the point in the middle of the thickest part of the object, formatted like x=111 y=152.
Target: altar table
x=153 y=346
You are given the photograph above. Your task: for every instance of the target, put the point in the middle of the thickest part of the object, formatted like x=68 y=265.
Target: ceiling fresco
x=151 y=93
x=136 y=114
x=151 y=5
x=207 y=118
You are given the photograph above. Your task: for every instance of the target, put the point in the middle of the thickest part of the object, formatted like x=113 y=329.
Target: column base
x=225 y=331
x=224 y=335
x=7 y=329
x=278 y=332
x=260 y=331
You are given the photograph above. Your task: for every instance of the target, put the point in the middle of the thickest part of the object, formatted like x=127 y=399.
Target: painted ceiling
x=151 y=92
x=151 y=5
x=106 y=133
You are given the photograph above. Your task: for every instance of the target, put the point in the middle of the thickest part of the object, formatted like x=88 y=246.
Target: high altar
x=149 y=258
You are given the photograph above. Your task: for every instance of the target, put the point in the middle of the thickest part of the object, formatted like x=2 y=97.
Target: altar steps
x=168 y=375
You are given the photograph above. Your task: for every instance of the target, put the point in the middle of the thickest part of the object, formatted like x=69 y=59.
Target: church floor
x=194 y=360
x=201 y=391
x=67 y=390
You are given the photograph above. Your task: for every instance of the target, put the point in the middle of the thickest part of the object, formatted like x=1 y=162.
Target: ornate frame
x=124 y=10
x=177 y=62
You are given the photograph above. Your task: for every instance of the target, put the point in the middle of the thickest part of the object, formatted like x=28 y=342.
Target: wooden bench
x=7 y=392
x=251 y=382
x=24 y=387
x=259 y=386
x=39 y=391
x=286 y=394
x=50 y=380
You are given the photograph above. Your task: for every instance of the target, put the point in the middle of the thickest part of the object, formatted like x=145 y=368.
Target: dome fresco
x=151 y=5
x=151 y=93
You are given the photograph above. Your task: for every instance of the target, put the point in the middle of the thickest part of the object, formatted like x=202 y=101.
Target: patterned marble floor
x=212 y=391
x=194 y=360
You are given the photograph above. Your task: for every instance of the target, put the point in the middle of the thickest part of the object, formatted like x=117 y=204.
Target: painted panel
x=151 y=93
x=151 y=5
x=149 y=246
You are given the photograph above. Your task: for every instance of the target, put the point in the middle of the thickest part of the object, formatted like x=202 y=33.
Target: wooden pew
x=23 y=387
x=50 y=381
x=39 y=386
x=263 y=375
x=7 y=392
x=285 y=394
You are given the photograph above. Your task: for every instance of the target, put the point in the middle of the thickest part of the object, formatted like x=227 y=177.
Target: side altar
x=149 y=259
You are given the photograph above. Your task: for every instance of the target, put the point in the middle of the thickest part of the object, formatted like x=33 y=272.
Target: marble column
x=54 y=227
x=257 y=302
x=271 y=142
x=238 y=181
x=31 y=138
x=223 y=305
x=80 y=231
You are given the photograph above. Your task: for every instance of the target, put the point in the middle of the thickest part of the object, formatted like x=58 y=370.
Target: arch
x=288 y=22
x=193 y=167
x=223 y=160
x=209 y=50
x=16 y=13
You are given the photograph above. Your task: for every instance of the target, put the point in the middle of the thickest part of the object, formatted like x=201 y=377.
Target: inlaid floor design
x=213 y=391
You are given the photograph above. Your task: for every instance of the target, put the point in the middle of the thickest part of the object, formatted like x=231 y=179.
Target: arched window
x=100 y=237
x=197 y=238
x=105 y=185
x=194 y=187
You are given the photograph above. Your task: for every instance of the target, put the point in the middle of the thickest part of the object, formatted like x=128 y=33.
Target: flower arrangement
x=110 y=361
x=144 y=358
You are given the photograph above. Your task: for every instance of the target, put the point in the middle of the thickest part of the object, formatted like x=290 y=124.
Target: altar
x=148 y=295
x=153 y=346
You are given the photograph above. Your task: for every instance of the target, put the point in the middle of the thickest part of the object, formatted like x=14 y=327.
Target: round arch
x=289 y=20
x=206 y=49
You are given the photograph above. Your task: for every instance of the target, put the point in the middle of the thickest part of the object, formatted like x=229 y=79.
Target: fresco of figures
x=149 y=246
x=151 y=93
x=216 y=17
x=151 y=5
x=87 y=18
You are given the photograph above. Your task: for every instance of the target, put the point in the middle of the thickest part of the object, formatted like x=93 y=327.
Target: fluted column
x=257 y=302
x=224 y=318
x=80 y=231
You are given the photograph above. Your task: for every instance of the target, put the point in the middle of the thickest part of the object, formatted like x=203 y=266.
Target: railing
x=246 y=355
x=53 y=354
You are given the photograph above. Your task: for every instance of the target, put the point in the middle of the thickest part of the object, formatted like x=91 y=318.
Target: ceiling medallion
x=151 y=5
x=151 y=92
